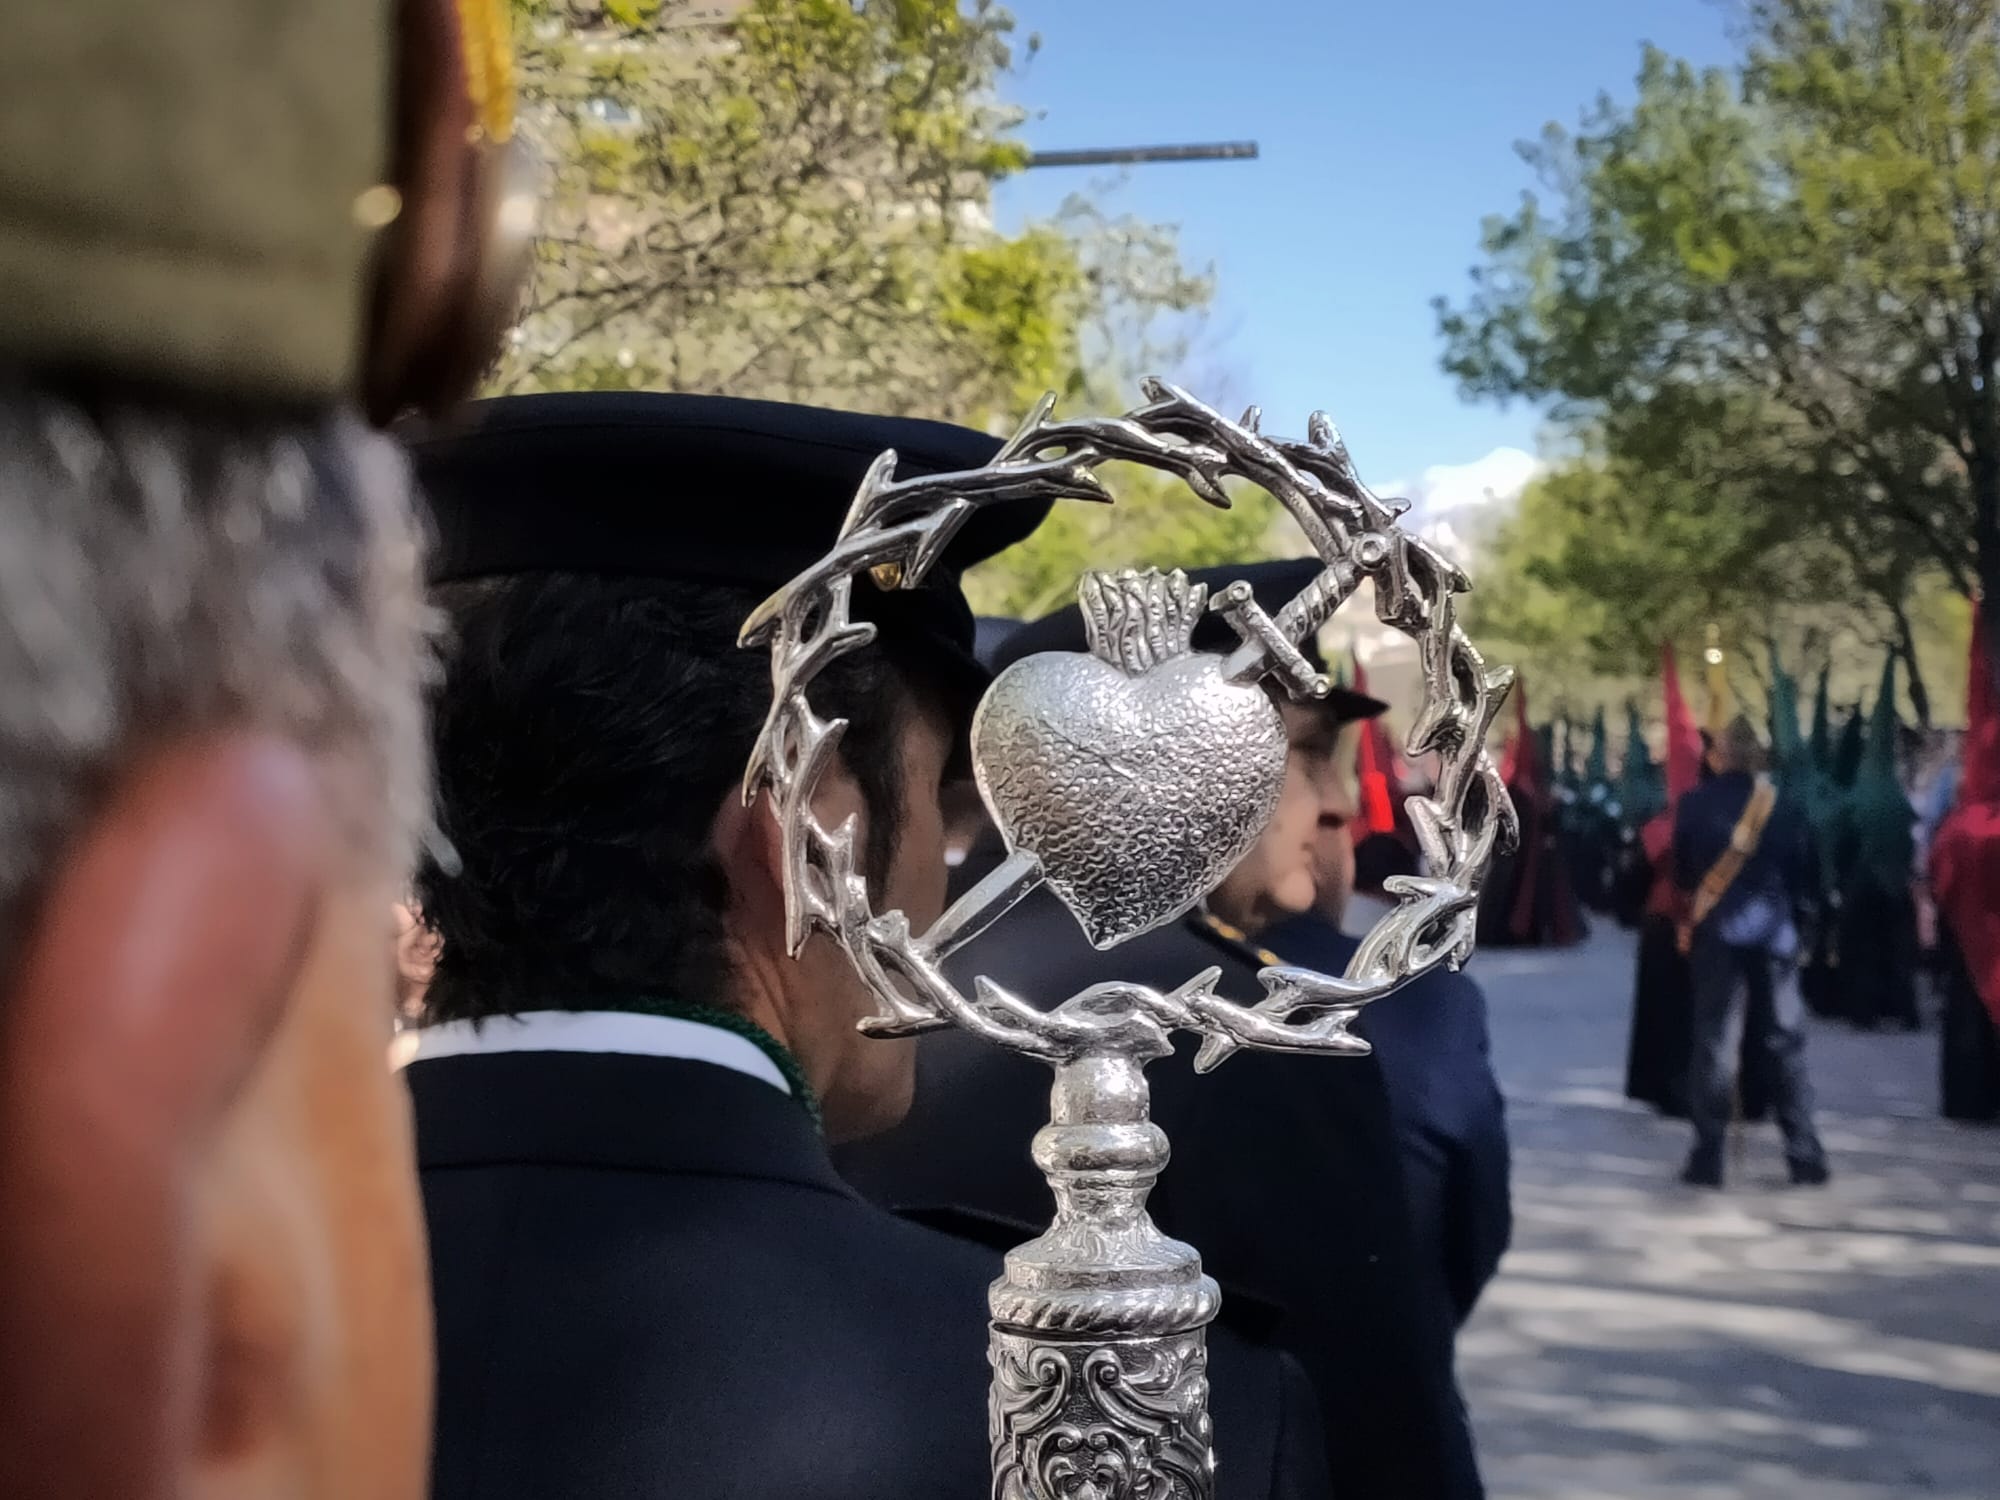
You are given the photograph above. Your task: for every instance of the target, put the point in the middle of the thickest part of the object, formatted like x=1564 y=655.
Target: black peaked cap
x=710 y=489
x=1272 y=584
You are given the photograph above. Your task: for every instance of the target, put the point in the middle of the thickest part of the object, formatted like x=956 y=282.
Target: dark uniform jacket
x=1431 y=1041
x=1285 y=1175
x=651 y=1283
x=1778 y=872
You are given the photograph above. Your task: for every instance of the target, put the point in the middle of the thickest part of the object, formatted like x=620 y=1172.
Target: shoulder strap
x=1743 y=842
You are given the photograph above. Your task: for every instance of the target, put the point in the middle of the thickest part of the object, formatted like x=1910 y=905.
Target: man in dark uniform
x=649 y=1280
x=1436 y=1059
x=1431 y=1042
x=1285 y=1171
x=1744 y=950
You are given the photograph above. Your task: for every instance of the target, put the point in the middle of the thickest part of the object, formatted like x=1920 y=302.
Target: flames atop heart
x=1136 y=620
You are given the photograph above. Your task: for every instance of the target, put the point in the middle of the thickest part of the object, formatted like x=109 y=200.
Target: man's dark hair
x=586 y=731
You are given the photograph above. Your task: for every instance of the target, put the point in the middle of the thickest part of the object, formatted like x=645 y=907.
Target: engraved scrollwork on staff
x=1118 y=1423
x=895 y=532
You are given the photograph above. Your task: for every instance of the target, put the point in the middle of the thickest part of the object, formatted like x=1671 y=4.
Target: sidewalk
x=1646 y=1341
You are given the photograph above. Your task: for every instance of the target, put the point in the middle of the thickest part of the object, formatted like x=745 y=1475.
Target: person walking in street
x=1744 y=855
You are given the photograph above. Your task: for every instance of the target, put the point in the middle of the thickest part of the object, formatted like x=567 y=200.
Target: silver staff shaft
x=1098 y=1346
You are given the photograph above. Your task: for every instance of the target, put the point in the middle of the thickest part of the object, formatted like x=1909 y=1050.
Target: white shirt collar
x=617 y=1031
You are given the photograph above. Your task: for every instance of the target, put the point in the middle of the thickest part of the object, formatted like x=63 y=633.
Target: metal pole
x=1127 y=155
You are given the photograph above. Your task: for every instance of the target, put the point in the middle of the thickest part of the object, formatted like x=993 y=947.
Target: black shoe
x=1810 y=1173
x=1702 y=1170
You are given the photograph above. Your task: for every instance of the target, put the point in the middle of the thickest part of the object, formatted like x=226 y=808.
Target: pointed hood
x=1522 y=765
x=1565 y=761
x=1788 y=747
x=1821 y=744
x=1877 y=819
x=1799 y=769
x=1849 y=748
x=1639 y=791
x=1965 y=856
x=1373 y=758
x=1683 y=734
x=1597 y=769
x=1878 y=760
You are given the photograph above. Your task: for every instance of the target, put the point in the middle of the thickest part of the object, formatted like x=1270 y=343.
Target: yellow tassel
x=488 y=45
x=1721 y=702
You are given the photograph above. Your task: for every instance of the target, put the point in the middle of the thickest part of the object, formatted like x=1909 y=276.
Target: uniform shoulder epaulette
x=1235 y=939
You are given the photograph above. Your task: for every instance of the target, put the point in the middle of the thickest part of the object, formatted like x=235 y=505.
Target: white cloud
x=1498 y=478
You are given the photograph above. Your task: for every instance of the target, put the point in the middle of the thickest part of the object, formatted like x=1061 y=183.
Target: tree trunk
x=1985 y=465
x=1906 y=648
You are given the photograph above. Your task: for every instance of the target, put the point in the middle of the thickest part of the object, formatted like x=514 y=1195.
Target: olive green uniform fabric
x=177 y=189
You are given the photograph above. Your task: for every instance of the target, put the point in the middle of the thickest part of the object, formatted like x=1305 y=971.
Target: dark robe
x=1874 y=850
x=1969 y=1044
x=1631 y=880
x=1819 y=971
x=1656 y=1056
x=1875 y=979
x=1529 y=898
x=1286 y=1176
x=1589 y=838
x=650 y=1282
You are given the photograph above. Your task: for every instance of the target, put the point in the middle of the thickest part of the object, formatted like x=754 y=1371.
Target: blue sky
x=1387 y=132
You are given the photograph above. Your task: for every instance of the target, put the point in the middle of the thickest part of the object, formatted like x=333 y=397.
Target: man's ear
x=750 y=847
x=750 y=837
x=150 y=979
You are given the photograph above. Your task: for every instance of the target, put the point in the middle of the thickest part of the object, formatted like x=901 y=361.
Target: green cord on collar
x=726 y=1020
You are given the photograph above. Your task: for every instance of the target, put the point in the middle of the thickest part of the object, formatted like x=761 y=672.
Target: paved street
x=1648 y=1342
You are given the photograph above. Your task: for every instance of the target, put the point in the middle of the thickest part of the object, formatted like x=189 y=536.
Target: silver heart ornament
x=1138 y=775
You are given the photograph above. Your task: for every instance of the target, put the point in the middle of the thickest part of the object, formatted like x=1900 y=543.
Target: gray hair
x=166 y=571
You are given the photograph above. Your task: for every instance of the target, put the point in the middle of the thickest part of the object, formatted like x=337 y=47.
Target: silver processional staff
x=1129 y=780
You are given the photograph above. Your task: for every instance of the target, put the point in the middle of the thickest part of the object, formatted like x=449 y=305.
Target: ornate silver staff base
x=1100 y=1365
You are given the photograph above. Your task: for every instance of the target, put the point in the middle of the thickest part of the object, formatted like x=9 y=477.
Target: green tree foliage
x=1766 y=299
x=1610 y=557
x=794 y=205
